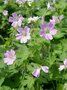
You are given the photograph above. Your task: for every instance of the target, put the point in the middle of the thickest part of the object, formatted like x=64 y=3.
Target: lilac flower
x=36 y=72
x=63 y=66
x=47 y=30
x=16 y=20
x=9 y=57
x=45 y=69
x=23 y=34
x=56 y=19
x=5 y=12
x=65 y=63
x=20 y=1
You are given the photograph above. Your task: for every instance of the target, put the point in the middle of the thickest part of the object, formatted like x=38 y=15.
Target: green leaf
x=1 y=80
x=59 y=87
x=22 y=54
x=5 y=88
x=59 y=35
x=29 y=81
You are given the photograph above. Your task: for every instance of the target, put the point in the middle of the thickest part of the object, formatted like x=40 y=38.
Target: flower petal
x=48 y=36
x=45 y=69
x=36 y=72
x=14 y=24
x=53 y=31
x=65 y=62
x=61 y=67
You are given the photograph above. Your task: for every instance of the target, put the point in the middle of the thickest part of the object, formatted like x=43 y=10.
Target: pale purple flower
x=36 y=72
x=64 y=66
x=23 y=34
x=9 y=57
x=16 y=20
x=20 y=1
x=45 y=69
x=5 y=12
x=47 y=30
x=65 y=63
x=56 y=19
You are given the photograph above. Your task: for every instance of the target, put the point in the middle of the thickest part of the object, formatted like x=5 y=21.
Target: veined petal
x=20 y=30
x=11 y=19
x=6 y=60
x=48 y=36
x=10 y=62
x=19 y=22
x=42 y=34
x=36 y=72
x=23 y=40
x=53 y=31
x=14 y=24
x=14 y=14
x=18 y=36
x=27 y=29
x=45 y=69
x=51 y=25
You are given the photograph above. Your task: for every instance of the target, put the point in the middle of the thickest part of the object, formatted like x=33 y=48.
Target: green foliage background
x=36 y=52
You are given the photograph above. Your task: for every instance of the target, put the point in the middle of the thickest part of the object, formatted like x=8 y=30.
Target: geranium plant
x=33 y=45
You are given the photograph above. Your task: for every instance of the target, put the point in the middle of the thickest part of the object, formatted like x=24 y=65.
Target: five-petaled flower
x=16 y=20
x=63 y=66
x=9 y=57
x=47 y=30
x=36 y=72
x=23 y=34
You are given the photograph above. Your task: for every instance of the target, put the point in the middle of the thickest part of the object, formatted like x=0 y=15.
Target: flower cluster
x=36 y=72
x=63 y=66
x=47 y=31
x=9 y=57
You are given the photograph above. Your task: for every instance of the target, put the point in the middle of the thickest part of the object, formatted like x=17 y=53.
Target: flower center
x=24 y=33
x=46 y=30
x=16 y=19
